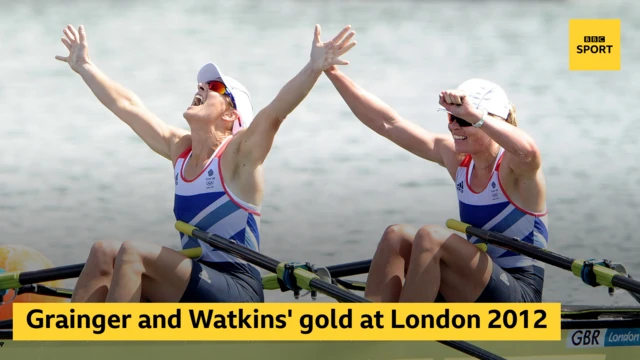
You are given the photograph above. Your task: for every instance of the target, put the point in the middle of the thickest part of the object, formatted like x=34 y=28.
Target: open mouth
x=197 y=101
x=459 y=137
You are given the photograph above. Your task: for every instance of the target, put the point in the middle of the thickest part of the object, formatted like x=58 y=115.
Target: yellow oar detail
x=462 y=227
x=185 y=228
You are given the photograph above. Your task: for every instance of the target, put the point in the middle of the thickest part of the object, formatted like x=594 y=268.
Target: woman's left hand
x=327 y=54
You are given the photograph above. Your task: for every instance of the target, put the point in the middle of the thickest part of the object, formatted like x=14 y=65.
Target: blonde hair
x=227 y=100
x=511 y=118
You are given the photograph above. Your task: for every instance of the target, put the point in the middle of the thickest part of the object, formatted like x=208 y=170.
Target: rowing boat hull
x=519 y=350
x=579 y=323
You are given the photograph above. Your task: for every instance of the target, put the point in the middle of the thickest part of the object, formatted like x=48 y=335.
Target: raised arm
x=258 y=138
x=158 y=135
x=384 y=120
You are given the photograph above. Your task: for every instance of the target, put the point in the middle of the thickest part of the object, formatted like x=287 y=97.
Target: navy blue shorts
x=219 y=282
x=512 y=285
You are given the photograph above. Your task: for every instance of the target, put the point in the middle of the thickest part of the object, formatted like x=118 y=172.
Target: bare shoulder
x=243 y=177
x=183 y=143
x=231 y=159
x=451 y=159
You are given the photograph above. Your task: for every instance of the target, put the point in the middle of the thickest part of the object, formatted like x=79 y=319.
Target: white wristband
x=481 y=121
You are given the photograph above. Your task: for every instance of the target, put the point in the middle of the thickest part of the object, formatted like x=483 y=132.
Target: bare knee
x=105 y=248
x=130 y=255
x=430 y=238
x=102 y=255
x=397 y=239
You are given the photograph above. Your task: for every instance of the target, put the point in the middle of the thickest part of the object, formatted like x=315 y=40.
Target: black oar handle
x=626 y=283
x=350 y=269
x=58 y=273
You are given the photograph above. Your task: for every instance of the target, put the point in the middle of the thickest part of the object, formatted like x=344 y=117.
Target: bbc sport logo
x=594 y=44
x=588 y=47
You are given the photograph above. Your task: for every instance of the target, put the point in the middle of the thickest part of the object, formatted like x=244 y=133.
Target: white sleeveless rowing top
x=206 y=203
x=491 y=209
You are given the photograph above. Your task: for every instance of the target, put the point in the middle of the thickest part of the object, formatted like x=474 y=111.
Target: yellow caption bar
x=285 y=322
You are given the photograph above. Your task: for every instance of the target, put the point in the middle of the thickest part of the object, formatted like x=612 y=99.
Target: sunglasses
x=461 y=122
x=219 y=87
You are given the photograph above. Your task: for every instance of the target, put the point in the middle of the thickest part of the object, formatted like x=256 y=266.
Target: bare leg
x=149 y=271
x=389 y=265
x=94 y=280
x=444 y=262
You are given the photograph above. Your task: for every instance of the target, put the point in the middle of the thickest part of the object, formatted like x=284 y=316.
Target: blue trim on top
x=508 y=221
x=479 y=215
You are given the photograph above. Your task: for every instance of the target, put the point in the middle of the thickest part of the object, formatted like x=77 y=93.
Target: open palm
x=327 y=54
x=76 y=43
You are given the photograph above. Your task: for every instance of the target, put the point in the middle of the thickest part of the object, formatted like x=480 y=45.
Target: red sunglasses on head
x=220 y=88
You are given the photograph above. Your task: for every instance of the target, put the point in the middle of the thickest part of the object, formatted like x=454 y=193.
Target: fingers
x=452 y=97
x=68 y=34
x=73 y=32
x=447 y=98
x=341 y=34
x=83 y=35
x=73 y=35
x=441 y=99
x=62 y=58
x=346 y=40
x=343 y=50
x=316 y=34
x=66 y=43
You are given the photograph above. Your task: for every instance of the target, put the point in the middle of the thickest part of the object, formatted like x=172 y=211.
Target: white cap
x=241 y=96
x=484 y=94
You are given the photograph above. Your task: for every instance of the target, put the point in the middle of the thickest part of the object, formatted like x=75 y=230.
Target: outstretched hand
x=76 y=43
x=327 y=54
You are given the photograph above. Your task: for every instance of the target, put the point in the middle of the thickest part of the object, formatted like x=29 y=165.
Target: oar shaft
x=59 y=273
x=40 y=289
x=626 y=283
x=230 y=247
x=597 y=275
x=330 y=289
x=513 y=244
x=266 y=262
x=349 y=269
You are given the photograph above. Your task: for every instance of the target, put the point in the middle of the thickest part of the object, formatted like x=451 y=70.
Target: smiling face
x=210 y=107
x=466 y=138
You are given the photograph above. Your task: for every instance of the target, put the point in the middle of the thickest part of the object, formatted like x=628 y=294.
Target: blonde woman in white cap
x=217 y=168
x=496 y=169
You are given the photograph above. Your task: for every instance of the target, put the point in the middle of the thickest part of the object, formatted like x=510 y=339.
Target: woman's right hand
x=76 y=43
